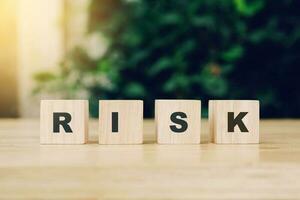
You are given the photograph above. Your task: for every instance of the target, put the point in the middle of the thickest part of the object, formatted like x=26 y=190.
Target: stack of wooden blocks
x=177 y=121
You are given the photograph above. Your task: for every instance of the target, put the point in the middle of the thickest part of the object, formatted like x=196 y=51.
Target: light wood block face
x=120 y=122
x=178 y=121
x=234 y=121
x=64 y=121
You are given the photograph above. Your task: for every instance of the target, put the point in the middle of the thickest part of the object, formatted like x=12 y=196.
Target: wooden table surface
x=270 y=170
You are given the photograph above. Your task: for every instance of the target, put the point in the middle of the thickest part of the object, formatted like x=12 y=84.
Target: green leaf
x=203 y=21
x=170 y=18
x=135 y=89
x=161 y=65
x=233 y=53
x=213 y=85
x=131 y=38
x=44 y=77
x=248 y=9
x=176 y=82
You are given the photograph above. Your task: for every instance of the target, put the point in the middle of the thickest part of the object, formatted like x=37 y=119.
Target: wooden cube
x=120 y=122
x=64 y=121
x=178 y=121
x=234 y=121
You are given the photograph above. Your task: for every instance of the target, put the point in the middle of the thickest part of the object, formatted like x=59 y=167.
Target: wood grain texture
x=218 y=121
x=163 y=111
x=269 y=170
x=130 y=122
x=78 y=109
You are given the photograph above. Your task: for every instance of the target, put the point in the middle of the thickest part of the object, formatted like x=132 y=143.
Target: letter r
x=57 y=121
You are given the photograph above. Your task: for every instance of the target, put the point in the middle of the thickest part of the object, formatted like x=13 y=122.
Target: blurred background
x=149 y=49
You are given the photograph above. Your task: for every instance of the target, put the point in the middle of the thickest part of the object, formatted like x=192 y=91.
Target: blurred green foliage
x=205 y=49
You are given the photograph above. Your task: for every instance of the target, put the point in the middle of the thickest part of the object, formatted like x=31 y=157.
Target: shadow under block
x=120 y=122
x=178 y=121
x=234 y=121
x=64 y=121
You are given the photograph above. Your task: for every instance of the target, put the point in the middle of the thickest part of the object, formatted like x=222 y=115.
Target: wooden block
x=64 y=121
x=178 y=121
x=234 y=121
x=120 y=122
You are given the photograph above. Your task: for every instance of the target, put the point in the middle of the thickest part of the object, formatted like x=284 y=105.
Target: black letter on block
x=57 y=122
x=232 y=122
x=115 y=121
x=176 y=120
